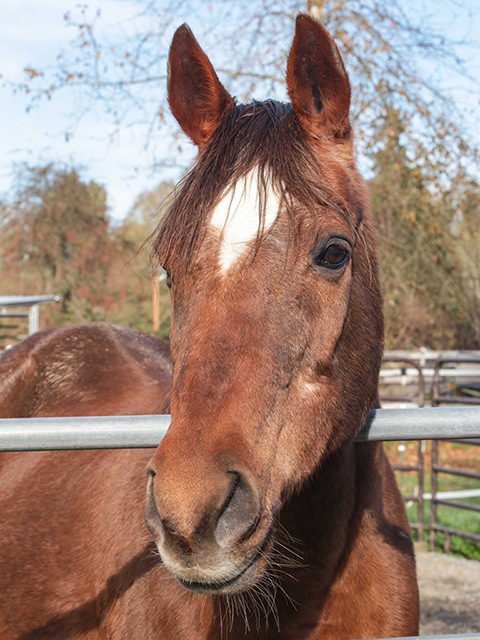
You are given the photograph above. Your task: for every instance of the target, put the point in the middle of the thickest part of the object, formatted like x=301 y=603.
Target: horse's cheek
x=332 y=303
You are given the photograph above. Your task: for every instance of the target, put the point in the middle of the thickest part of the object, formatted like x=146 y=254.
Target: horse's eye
x=333 y=256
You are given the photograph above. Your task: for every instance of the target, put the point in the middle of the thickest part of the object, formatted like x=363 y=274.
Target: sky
x=32 y=32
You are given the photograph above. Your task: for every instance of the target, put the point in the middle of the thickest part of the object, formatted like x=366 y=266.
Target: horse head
x=277 y=328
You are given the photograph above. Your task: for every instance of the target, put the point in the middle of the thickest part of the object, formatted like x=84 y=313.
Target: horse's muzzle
x=225 y=552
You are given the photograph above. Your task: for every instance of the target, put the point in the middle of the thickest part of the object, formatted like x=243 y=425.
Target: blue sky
x=32 y=32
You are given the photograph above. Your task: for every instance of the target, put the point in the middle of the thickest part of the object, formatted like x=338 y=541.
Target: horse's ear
x=196 y=97
x=317 y=82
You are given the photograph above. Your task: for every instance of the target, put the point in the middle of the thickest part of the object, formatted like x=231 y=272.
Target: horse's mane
x=265 y=135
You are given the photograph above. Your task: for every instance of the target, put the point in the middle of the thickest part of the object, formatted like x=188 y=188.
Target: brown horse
x=268 y=522
x=85 y=370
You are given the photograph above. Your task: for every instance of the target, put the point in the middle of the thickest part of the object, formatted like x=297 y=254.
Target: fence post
x=433 y=501
x=419 y=467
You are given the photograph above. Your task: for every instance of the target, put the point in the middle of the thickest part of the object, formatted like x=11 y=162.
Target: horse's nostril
x=152 y=517
x=239 y=515
x=236 y=479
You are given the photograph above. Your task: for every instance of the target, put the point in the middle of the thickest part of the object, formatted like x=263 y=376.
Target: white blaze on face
x=237 y=216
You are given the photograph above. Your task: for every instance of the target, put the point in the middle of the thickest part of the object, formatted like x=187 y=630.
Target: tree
x=390 y=49
x=55 y=238
x=464 y=200
x=411 y=137
x=132 y=276
x=428 y=244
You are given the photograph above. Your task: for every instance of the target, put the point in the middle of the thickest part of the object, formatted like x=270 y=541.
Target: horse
x=263 y=518
x=85 y=370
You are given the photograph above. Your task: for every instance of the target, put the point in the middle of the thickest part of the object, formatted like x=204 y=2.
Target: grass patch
x=451 y=455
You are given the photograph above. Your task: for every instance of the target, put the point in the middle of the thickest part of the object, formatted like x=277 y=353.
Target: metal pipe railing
x=114 y=432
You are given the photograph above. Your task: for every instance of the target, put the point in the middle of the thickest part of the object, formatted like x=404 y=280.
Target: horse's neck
x=317 y=517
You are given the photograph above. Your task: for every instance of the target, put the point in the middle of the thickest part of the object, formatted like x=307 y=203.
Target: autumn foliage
x=57 y=238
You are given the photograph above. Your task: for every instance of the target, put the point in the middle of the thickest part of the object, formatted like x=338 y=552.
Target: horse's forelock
x=265 y=135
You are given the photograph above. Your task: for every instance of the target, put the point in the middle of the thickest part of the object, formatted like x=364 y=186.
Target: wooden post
x=155 y=303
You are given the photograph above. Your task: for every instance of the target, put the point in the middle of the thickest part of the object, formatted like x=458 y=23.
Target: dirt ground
x=449 y=594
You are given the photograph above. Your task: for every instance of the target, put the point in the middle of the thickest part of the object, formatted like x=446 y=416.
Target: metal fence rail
x=31 y=303
x=114 y=432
